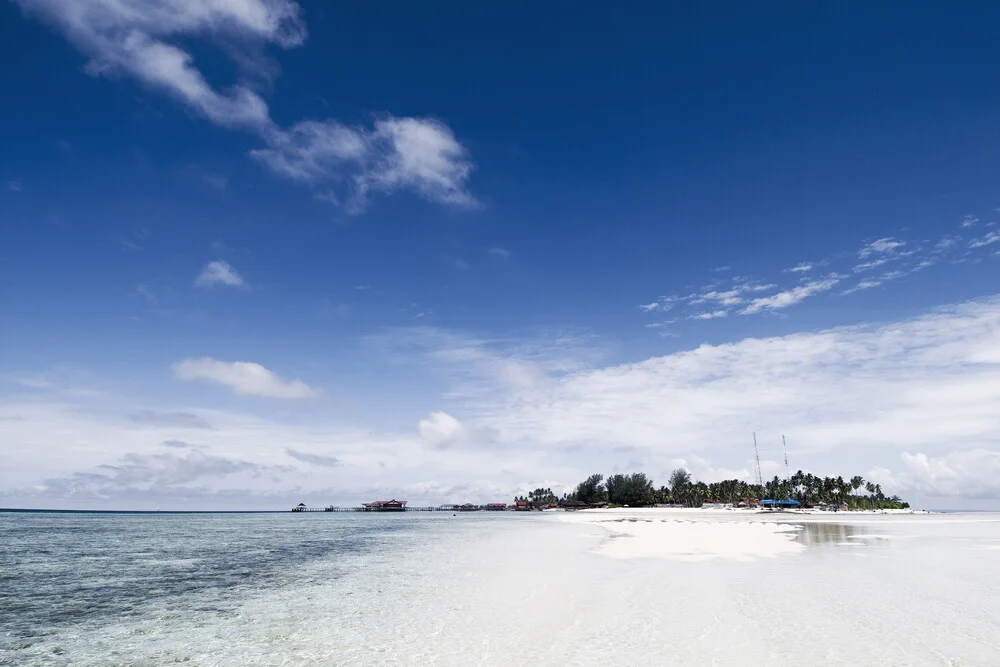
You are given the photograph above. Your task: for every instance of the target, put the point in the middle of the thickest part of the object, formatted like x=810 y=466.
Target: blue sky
x=453 y=252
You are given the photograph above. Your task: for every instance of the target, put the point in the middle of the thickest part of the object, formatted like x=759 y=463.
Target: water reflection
x=818 y=534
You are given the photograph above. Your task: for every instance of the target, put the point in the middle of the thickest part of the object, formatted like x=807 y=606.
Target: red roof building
x=385 y=506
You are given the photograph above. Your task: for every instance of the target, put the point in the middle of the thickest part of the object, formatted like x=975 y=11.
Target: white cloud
x=929 y=384
x=141 y=38
x=863 y=285
x=947 y=242
x=15 y=186
x=850 y=399
x=881 y=246
x=968 y=222
x=496 y=251
x=416 y=154
x=315 y=459
x=424 y=156
x=872 y=264
x=971 y=473
x=791 y=296
x=804 y=267
x=441 y=430
x=905 y=256
x=726 y=298
x=989 y=239
x=884 y=278
x=730 y=297
x=243 y=377
x=147 y=39
x=218 y=273
x=311 y=151
x=709 y=315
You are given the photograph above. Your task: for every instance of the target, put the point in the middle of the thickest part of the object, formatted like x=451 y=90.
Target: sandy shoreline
x=703 y=534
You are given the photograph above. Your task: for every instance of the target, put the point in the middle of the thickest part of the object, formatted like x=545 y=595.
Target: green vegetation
x=539 y=497
x=637 y=490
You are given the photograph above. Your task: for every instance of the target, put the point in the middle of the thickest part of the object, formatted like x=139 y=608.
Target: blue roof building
x=780 y=503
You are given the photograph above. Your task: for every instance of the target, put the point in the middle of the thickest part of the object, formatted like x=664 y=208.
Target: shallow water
x=490 y=589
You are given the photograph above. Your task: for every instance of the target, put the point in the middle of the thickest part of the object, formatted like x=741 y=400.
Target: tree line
x=638 y=490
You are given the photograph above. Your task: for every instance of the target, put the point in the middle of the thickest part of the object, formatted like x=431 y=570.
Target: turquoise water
x=491 y=589
x=69 y=578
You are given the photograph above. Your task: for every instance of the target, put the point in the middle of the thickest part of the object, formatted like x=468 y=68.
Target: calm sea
x=108 y=588
x=493 y=589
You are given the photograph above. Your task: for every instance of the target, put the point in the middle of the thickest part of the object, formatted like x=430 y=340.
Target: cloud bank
x=910 y=404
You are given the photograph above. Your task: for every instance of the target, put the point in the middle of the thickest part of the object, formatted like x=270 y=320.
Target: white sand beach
x=615 y=587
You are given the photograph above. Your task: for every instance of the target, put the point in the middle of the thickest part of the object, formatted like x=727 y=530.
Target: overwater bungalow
x=496 y=507
x=385 y=506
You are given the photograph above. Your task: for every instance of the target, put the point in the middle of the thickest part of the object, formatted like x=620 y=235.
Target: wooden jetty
x=401 y=506
x=301 y=507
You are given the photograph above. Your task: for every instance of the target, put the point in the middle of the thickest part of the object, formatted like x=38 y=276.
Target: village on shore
x=800 y=491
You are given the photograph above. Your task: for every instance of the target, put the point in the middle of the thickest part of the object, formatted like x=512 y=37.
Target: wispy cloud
x=142 y=37
x=914 y=400
x=804 y=267
x=457 y=263
x=137 y=471
x=948 y=241
x=912 y=384
x=890 y=259
x=177 y=444
x=989 y=239
x=709 y=315
x=737 y=291
x=881 y=246
x=888 y=276
x=314 y=459
x=148 y=40
x=135 y=240
x=146 y=293
x=14 y=186
x=475 y=363
x=170 y=419
x=210 y=178
x=218 y=273
x=792 y=296
x=968 y=222
x=416 y=154
x=497 y=251
x=243 y=377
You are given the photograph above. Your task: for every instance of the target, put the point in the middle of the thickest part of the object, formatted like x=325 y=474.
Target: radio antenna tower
x=756 y=455
x=785 y=448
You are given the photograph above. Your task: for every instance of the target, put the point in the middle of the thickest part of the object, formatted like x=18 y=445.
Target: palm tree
x=856 y=483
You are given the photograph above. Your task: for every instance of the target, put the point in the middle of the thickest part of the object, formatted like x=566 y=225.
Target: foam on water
x=485 y=589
